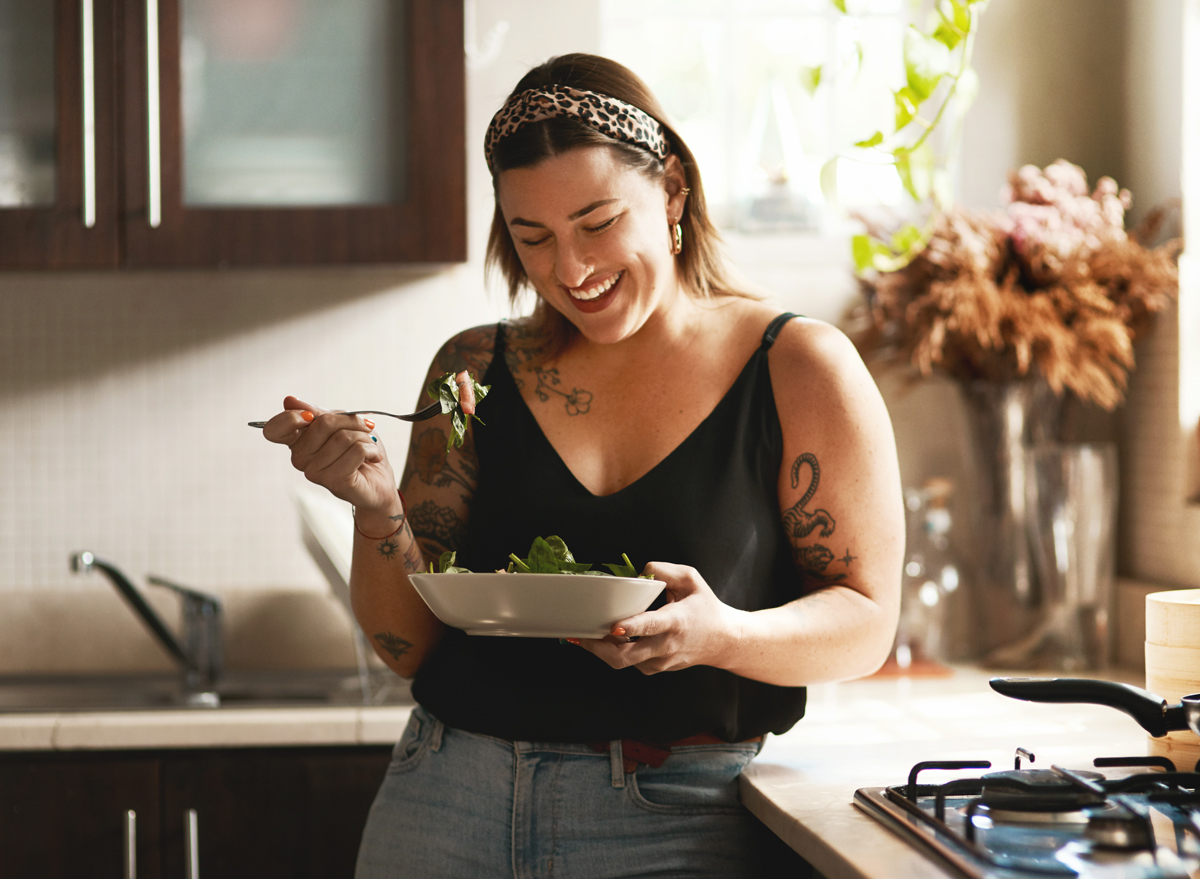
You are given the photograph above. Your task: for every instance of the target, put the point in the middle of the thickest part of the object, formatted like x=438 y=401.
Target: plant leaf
x=874 y=140
x=864 y=250
x=905 y=237
x=810 y=78
x=906 y=107
x=926 y=61
x=948 y=35
x=961 y=14
x=916 y=171
x=839 y=5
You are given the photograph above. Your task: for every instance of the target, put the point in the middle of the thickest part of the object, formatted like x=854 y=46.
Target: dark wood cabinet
x=173 y=181
x=74 y=222
x=262 y=813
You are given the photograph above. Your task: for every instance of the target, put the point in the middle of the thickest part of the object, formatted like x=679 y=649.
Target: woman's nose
x=572 y=266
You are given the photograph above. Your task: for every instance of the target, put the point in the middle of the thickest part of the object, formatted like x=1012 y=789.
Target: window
x=736 y=77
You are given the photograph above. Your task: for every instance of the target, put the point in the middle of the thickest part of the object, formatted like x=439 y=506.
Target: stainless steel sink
x=45 y=693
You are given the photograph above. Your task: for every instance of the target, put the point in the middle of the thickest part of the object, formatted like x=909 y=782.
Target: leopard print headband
x=609 y=116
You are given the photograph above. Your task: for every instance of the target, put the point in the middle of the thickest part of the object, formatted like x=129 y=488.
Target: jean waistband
x=654 y=755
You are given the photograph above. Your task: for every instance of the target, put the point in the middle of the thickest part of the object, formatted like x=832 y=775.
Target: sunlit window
x=764 y=92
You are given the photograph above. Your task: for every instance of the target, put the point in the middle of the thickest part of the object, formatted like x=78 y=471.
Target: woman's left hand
x=694 y=627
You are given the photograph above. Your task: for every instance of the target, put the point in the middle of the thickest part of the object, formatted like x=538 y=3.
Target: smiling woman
x=743 y=456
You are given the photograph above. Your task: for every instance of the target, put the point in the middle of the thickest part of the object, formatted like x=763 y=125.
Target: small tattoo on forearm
x=388 y=548
x=412 y=558
x=393 y=644
x=847 y=558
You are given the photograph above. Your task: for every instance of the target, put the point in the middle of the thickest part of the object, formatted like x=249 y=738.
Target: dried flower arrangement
x=1053 y=283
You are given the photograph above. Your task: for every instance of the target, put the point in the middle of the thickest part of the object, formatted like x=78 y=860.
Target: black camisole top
x=712 y=503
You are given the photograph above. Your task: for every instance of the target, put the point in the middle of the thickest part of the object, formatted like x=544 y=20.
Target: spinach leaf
x=625 y=570
x=445 y=391
x=547 y=555
x=447 y=566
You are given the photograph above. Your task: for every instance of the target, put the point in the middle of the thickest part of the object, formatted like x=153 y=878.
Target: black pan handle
x=1150 y=711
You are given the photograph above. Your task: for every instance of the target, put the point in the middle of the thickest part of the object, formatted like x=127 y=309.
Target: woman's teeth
x=603 y=287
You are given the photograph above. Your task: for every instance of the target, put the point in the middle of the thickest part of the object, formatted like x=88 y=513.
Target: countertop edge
x=200 y=728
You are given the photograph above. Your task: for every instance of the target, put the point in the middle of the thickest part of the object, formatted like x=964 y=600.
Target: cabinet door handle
x=131 y=844
x=88 y=59
x=193 y=845
x=153 y=143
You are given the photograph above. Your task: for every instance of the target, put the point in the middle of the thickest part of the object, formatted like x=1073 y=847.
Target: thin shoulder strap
x=773 y=329
x=498 y=345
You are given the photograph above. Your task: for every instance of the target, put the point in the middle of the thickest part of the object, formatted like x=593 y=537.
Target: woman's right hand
x=338 y=452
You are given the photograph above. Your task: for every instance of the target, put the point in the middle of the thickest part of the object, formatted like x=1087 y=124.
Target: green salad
x=547 y=555
x=446 y=391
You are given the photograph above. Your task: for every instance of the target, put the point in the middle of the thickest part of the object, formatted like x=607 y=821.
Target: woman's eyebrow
x=518 y=221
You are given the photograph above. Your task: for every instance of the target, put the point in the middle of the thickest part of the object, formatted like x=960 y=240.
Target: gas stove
x=1135 y=818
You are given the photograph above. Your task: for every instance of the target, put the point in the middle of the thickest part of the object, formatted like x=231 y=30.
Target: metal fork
x=420 y=415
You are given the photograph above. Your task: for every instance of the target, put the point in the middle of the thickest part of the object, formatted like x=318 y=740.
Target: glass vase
x=1007 y=419
x=1071 y=498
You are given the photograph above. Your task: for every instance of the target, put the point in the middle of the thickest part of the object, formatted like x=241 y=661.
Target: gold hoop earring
x=676 y=239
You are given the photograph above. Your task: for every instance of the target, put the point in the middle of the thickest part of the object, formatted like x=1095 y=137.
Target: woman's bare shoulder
x=805 y=346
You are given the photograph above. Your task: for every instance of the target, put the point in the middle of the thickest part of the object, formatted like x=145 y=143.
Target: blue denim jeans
x=457 y=804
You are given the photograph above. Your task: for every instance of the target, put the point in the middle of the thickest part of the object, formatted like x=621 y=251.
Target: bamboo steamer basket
x=1173 y=664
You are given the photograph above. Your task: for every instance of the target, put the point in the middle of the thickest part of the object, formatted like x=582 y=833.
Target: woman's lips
x=600 y=302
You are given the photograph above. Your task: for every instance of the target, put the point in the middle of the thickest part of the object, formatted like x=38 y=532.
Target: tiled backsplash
x=124 y=400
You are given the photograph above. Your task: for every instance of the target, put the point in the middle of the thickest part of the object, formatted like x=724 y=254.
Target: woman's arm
x=437 y=486
x=840 y=501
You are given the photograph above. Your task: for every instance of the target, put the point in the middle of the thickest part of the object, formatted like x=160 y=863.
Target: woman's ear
x=674 y=187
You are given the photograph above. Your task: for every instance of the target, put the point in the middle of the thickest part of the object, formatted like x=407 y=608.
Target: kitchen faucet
x=201 y=656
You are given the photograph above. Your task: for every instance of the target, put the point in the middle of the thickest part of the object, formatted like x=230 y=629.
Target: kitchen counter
x=203 y=728
x=864 y=733
x=869 y=733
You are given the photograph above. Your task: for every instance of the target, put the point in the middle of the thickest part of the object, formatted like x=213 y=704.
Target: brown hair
x=700 y=264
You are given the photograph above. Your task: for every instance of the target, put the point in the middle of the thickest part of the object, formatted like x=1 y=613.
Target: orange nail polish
x=618 y=631
x=573 y=640
x=369 y=423
x=307 y=416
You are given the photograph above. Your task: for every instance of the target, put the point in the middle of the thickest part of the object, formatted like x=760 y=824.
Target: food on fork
x=458 y=394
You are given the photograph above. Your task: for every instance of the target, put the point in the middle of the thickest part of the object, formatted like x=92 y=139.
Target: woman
x=645 y=407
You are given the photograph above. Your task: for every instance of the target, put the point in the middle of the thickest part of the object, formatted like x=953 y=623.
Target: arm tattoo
x=437 y=526
x=388 y=548
x=431 y=462
x=393 y=644
x=413 y=562
x=813 y=559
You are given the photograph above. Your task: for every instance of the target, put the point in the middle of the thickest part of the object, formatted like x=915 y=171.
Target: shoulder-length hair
x=700 y=264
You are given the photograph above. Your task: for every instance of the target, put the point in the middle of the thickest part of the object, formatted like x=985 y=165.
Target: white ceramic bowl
x=534 y=605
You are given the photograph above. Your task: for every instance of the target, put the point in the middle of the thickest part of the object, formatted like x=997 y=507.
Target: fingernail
x=370 y=424
x=307 y=416
x=374 y=438
x=573 y=641
x=633 y=638
x=618 y=631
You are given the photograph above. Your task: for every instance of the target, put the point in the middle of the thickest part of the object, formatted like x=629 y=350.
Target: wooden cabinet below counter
x=246 y=812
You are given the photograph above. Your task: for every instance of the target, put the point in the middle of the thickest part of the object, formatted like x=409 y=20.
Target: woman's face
x=593 y=236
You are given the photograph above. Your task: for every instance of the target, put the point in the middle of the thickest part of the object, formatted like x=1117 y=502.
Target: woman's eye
x=602 y=226
x=529 y=243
